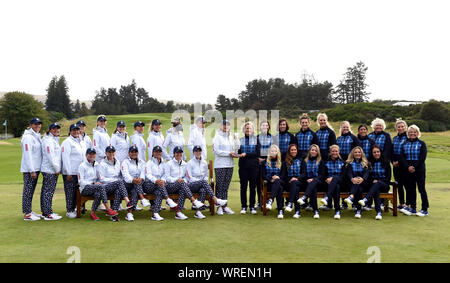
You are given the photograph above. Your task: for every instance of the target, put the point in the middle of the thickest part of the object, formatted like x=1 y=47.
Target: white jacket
x=131 y=170
x=87 y=174
x=73 y=154
x=197 y=137
x=154 y=170
x=154 y=139
x=101 y=141
x=31 y=151
x=137 y=140
x=87 y=140
x=197 y=170
x=174 y=138
x=51 y=154
x=223 y=145
x=175 y=170
x=109 y=171
x=121 y=143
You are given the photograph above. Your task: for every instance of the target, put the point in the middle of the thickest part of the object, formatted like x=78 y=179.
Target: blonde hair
x=378 y=121
x=250 y=124
x=319 y=157
x=338 y=148
x=278 y=164
x=326 y=118
x=414 y=127
x=351 y=157
x=305 y=117
x=400 y=121
x=349 y=127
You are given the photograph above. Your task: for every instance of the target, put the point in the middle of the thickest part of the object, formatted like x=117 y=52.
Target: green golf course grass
x=229 y=238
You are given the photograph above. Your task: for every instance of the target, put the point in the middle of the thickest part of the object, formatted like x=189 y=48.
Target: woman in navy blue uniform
x=334 y=168
x=325 y=135
x=315 y=175
x=284 y=137
x=357 y=171
x=293 y=173
x=398 y=169
x=379 y=179
x=413 y=156
x=347 y=141
x=248 y=166
x=265 y=141
x=272 y=174
x=305 y=137
x=365 y=142
x=381 y=138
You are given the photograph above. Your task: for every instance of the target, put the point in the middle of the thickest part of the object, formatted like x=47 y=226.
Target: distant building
x=407 y=103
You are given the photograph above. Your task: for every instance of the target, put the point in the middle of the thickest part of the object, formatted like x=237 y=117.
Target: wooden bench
x=81 y=200
x=384 y=196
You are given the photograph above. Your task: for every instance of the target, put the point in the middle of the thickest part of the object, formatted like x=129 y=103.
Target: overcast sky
x=194 y=50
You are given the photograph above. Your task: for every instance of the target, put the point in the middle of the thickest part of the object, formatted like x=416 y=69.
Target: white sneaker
x=37 y=215
x=362 y=202
x=219 y=210
x=138 y=208
x=337 y=215
x=378 y=217
x=301 y=201
x=198 y=204
x=145 y=202
x=324 y=201
x=221 y=202
x=366 y=208
x=358 y=214
x=71 y=214
x=316 y=215
x=101 y=207
x=297 y=215
x=280 y=214
x=199 y=215
x=382 y=206
x=253 y=211
x=324 y=208
x=171 y=203
x=228 y=210
x=269 y=204
x=180 y=216
x=244 y=211
x=129 y=217
x=157 y=217
x=288 y=207
x=309 y=208
x=121 y=208
x=31 y=217
x=52 y=216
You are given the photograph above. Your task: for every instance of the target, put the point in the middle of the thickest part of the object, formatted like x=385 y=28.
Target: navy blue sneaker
x=410 y=211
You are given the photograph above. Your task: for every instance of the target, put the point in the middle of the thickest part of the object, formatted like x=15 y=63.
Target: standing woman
x=248 y=166
x=305 y=137
x=101 y=138
x=365 y=142
x=31 y=166
x=413 y=156
x=315 y=175
x=51 y=168
x=334 y=171
x=284 y=138
x=175 y=137
x=325 y=135
x=197 y=137
x=275 y=183
x=398 y=169
x=137 y=139
x=83 y=136
x=357 y=171
x=379 y=179
x=293 y=173
x=347 y=141
x=223 y=148
x=265 y=141
x=72 y=156
x=381 y=138
x=120 y=141
x=156 y=138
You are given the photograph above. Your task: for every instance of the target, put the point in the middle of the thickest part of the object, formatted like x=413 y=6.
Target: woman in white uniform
x=175 y=137
x=156 y=138
x=83 y=136
x=137 y=139
x=121 y=141
x=101 y=138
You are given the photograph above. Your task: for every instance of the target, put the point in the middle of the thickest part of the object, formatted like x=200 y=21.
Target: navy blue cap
x=121 y=123
x=178 y=149
x=54 y=125
x=226 y=122
x=197 y=147
x=81 y=123
x=74 y=126
x=133 y=148
x=101 y=118
x=110 y=148
x=139 y=123
x=157 y=148
x=35 y=120
x=156 y=122
x=90 y=151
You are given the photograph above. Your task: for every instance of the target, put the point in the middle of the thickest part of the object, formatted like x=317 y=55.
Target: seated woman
x=155 y=184
x=272 y=174
x=357 y=171
x=315 y=175
x=111 y=180
x=133 y=173
x=379 y=179
x=90 y=185
x=334 y=168
x=197 y=180
x=176 y=182
x=293 y=174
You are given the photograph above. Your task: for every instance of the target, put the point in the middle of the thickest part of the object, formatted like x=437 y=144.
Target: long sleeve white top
x=132 y=169
x=154 y=170
x=154 y=139
x=73 y=154
x=31 y=151
x=121 y=143
x=175 y=170
x=197 y=138
x=137 y=140
x=51 y=154
x=174 y=138
x=100 y=142
x=197 y=170
x=87 y=140
x=109 y=171
x=223 y=145
x=87 y=174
